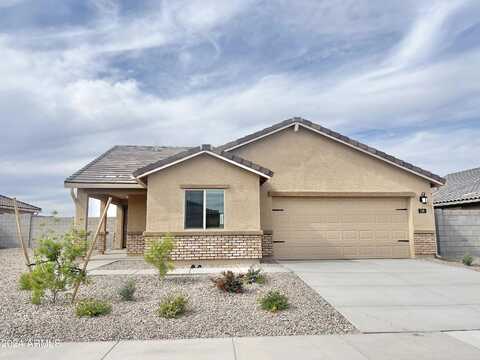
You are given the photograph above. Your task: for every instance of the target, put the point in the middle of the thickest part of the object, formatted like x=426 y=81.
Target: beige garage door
x=340 y=228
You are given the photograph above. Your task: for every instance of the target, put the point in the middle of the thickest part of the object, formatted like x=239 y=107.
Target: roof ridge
x=463 y=171
x=154 y=146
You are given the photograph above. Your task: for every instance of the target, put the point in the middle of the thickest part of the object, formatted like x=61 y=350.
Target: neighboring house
x=457 y=212
x=295 y=190
x=7 y=206
x=8 y=225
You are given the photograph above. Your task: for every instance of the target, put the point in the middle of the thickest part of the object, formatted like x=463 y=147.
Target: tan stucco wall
x=307 y=161
x=137 y=213
x=166 y=198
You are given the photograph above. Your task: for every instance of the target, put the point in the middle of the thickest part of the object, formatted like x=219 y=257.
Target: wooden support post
x=102 y=242
x=19 y=235
x=92 y=246
x=118 y=241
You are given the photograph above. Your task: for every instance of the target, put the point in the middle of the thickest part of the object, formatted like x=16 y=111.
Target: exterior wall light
x=423 y=198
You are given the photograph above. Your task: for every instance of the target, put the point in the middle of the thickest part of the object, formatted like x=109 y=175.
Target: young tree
x=55 y=269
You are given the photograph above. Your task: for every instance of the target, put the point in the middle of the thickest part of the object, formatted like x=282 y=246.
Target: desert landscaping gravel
x=211 y=313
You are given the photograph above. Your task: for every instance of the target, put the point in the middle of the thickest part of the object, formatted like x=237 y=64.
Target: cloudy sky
x=77 y=77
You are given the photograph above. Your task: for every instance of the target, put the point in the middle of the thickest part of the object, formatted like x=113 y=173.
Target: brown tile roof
x=117 y=164
x=199 y=149
x=7 y=203
x=461 y=187
x=335 y=135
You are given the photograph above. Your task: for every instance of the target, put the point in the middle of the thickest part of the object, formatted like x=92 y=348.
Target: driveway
x=396 y=295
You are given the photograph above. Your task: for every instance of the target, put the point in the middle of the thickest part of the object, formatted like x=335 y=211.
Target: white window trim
x=204 y=210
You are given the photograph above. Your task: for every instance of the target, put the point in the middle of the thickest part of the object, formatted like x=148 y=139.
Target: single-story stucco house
x=8 y=222
x=457 y=213
x=295 y=190
x=7 y=206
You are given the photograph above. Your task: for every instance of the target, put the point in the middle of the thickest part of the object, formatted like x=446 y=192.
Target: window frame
x=204 y=217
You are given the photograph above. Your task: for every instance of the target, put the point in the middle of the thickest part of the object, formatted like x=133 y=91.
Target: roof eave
x=102 y=185
x=21 y=209
x=456 y=202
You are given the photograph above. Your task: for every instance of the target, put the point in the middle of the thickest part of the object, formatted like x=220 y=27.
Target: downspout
x=73 y=195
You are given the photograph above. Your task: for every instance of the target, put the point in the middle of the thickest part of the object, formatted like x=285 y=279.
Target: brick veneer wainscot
x=267 y=244
x=213 y=246
x=135 y=243
x=425 y=243
x=100 y=244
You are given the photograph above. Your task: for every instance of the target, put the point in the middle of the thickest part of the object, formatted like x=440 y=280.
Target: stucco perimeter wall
x=166 y=195
x=33 y=227
x=307 y=161
x=458 y=232
x=8 y=230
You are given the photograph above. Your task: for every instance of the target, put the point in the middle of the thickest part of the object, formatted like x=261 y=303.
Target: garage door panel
x=334 y=228
x=401 y=252
x=344 y=253
x=344 y=237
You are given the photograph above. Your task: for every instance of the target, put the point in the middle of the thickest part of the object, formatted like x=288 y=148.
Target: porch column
x=118 y=241
x=101 y=244
x=80 y=200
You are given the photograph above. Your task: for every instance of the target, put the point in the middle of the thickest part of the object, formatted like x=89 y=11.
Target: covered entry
x=340 y=227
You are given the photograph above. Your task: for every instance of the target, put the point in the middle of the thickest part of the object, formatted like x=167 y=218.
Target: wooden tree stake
x=19 y=235
x=92 y=246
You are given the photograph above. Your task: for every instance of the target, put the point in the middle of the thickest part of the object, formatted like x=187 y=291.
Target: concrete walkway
x=94 y=268
x=435 y=346
x=396 y=295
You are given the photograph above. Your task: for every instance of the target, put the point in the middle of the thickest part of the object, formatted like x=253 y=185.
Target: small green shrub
x=25 y=282
x=229 y=282
x=127 y=290
x=92 y=308
x=274 y=301
x=255 y=276
x=172 y=306
x=467 y=259
x=159 y=255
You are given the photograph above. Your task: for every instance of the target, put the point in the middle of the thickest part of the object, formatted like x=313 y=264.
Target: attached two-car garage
x=340 y=227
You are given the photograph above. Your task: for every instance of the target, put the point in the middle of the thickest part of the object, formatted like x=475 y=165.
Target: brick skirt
x=213 y=246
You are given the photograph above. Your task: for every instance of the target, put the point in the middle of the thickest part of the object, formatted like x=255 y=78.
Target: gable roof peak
x=193 y=152
x=433 y=178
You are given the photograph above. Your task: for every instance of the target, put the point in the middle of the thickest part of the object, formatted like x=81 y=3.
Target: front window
x=204 y=209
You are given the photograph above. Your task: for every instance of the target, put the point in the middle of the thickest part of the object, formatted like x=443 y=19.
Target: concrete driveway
x=396 y=295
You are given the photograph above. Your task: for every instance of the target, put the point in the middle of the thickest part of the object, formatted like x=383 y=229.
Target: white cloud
x=426 y=34
x=443 y=150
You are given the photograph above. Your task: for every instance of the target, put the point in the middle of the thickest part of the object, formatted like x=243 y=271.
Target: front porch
x=130 y=219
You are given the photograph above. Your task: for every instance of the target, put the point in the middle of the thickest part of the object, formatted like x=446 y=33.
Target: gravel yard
x=211 y=313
